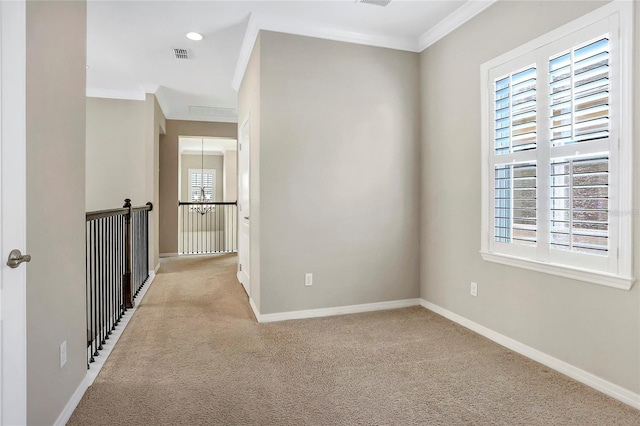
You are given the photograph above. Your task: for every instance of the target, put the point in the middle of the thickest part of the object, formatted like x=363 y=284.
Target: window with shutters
x=557 y=151
x=202 y=185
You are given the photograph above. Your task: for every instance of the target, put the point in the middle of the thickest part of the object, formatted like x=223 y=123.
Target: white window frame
x=617 y=269
x=206 y=171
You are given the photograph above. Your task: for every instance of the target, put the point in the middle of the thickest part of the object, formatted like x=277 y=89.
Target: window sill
x=595 y=277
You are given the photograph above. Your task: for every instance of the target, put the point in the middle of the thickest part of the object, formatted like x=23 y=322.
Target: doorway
x=207 y=185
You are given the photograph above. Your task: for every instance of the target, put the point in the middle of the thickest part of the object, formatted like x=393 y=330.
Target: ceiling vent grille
x=382 y=3
x=213 y=111
x=181 y=53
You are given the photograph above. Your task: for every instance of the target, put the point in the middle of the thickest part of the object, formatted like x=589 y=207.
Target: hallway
x=193 y=354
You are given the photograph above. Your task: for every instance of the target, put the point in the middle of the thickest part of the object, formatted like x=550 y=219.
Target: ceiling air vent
x=181 y=53
x=382 y=3
x=213 y=111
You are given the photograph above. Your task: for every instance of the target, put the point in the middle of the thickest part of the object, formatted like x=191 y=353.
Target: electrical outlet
x=63 y=354
x=308 y=279
x=474 y=289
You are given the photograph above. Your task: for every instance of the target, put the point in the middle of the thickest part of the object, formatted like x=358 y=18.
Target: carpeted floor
x=193 y=354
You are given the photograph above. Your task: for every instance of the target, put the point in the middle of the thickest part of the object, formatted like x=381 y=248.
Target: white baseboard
x=96 y=366
x=162 y=255
x=64 y=417
x=338 y=310
x=155 y=270
x=589 y=379
x=254 y=308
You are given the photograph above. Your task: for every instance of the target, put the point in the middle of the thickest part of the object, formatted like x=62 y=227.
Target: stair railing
x=117 y=253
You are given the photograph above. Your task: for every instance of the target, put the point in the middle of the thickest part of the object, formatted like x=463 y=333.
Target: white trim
x=338 y=310
x=254 y=308
x=68 y=410
x=163 y=255
x=327 y=32
x=586 y=275
x=249 y=40
x=453 y=21
x=155 y=270
x=302 y=28
x=13 y=318
x=409 y=44
x=132 y=95
x=199 y=152
x=207 y=118
x=582 y=376
x=100 y=360
x=625 y=153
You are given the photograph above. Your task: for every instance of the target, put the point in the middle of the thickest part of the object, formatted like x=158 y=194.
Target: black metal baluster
x=105 y=285
x=109 y=276
x=114 y=305
x=94 y=286
x=88 y=290
x=184 y=234
x=146 y=244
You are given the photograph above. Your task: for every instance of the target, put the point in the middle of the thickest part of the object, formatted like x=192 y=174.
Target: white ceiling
x=130 y=43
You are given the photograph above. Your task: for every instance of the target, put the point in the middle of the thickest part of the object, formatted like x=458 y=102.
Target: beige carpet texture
x=193 y=354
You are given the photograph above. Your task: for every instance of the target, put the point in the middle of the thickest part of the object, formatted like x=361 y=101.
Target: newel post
x=127 y=290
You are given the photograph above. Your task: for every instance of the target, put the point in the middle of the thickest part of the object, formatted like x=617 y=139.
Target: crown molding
x=453 y=21
x=210 y=118
x=336 y=34
x=249 y=40
x=270 y=23
x=131 y=95
x=199 y=153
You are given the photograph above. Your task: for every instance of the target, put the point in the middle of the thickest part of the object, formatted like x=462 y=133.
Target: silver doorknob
x=16 y=258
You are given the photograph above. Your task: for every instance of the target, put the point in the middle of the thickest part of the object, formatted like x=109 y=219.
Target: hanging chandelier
x=203 y=197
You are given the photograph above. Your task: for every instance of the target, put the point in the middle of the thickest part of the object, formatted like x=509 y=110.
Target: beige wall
x=55 y=79
x=155 y=126
x=230 y=176
x=122 y=157
x=339 y=173
x=192 y=161
x=116 y=153
x=249 y=99
x=592 y=327
x=168 y=191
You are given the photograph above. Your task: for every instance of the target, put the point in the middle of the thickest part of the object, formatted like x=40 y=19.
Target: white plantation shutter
x=579 y=94
x=557 y=181
x=515 y=204
x=515 y=111
x=580 y=205
x=202 y=178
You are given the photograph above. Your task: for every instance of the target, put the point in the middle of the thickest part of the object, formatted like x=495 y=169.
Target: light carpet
x=193 y=354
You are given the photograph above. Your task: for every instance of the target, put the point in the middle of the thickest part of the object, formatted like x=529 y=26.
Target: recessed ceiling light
x=194 y=36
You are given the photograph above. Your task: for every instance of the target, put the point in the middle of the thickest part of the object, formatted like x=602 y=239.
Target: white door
x=13 y=364
x=244 y=207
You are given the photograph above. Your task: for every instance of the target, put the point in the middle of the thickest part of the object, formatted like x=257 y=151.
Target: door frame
x=13 y=364
x=244 y=275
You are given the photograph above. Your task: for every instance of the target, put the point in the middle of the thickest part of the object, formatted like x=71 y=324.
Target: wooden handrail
x=99 y=214
x=207 y=203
